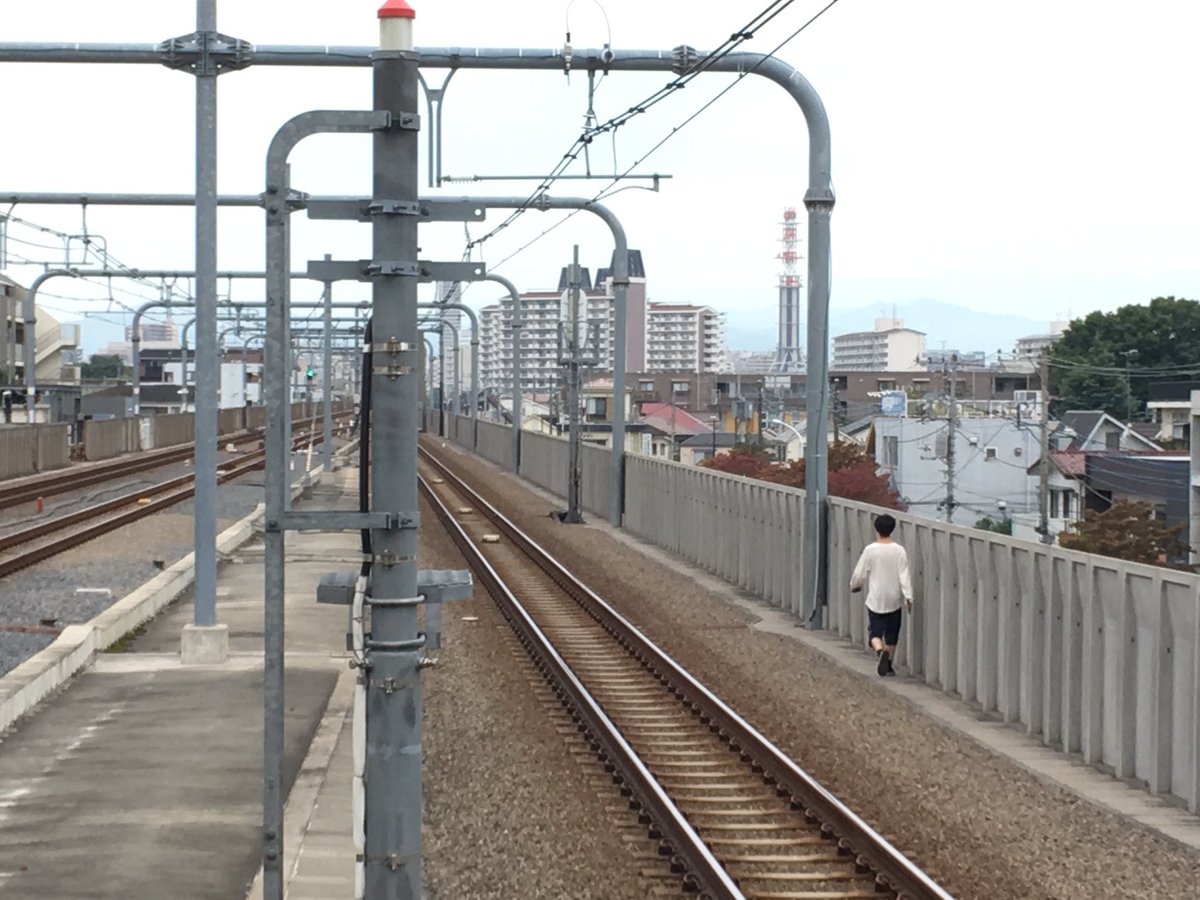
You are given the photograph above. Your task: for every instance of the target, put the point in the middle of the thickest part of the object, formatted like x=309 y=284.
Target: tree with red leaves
x=852 y=473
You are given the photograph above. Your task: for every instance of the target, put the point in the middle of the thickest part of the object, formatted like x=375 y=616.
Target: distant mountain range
x=944 y=324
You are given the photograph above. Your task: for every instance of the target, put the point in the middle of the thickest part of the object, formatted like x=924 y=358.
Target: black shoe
x=891 y=670
x=884 y=663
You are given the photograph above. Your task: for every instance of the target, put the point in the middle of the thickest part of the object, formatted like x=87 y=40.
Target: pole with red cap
x=392 y=772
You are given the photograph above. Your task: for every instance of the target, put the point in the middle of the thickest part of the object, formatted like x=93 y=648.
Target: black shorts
x=885 y=626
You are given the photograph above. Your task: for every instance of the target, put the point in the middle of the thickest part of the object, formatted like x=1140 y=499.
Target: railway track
x=733 y=815
x=23 y=548
x=53 y=483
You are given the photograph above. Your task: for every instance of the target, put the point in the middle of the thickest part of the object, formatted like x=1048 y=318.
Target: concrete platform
x=142 y=778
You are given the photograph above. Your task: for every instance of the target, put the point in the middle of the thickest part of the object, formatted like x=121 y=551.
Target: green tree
x=999 y=526
x=1093 y=354
x=1127 y=530
x=103 y=365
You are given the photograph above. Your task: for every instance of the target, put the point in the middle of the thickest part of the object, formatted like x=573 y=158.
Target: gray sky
x=1035 y=158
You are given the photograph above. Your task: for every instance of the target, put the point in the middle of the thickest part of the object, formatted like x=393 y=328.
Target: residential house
x=990 y=457
x=1095 y=429
x=1171 y=403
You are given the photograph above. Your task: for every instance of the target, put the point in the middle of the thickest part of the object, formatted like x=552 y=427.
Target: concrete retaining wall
x=28 y=449
x=177 y=428
x=230 y=421
x=256 y=417
x=106 y=438
x=544 y=461
x=495 y=444
x=595 y=478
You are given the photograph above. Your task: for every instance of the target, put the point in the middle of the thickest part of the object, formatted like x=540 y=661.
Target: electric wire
x=612 y=124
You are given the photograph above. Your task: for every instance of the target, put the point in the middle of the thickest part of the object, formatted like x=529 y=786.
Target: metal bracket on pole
x=363 y=210
x=206 y=53
x=368 y=270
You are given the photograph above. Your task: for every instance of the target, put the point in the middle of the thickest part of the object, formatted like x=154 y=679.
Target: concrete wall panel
x=495 y=443
x=106 y=438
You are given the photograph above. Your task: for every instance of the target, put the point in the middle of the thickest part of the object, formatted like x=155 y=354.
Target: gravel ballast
x=980 y=824
x=508 y=808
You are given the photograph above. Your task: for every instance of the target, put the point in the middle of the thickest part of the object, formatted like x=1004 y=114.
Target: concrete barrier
x=230 y=421
x=544 y=462
x=29 y=449
x=495 y=443
x=176 y=428
x=106 y=438
x=256 y=417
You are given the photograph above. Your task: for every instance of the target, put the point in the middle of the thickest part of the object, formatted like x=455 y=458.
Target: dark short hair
x=884 y=525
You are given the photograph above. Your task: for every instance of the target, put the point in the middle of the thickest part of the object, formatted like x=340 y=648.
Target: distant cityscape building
x=660 y=337
x=1031 y=346
x=973 y=359
x=682 y=338
x=752 y=362
x=890 y=347
x=162 y=332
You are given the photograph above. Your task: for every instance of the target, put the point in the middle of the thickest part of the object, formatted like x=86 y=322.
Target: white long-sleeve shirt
x=885 y=568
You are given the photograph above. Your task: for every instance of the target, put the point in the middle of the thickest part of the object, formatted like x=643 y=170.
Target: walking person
x=883 y=568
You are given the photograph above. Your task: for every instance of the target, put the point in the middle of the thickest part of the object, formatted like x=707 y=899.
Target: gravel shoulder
x=980 y=824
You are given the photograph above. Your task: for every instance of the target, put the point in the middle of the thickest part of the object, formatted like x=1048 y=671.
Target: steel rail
x=704 y=873
x=59 y=482
x=177 y=490
x=891 y=867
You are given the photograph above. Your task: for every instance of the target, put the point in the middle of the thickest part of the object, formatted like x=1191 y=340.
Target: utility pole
x=952 y=418
x=327 y=380
x=396 y=645
x=569 y=356
x=1044 y=461
x=761 y=411
x=674 y=444
x=833 y=405
x=1194 y=481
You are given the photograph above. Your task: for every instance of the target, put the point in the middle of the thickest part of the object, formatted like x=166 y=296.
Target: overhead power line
x=589 y=133
x=607 y=190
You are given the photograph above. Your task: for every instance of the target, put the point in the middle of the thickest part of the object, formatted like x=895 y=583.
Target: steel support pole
x=470 y=313
x=327 y=379
x=278 y=452
x=516 y=365
x=394 y=702
x=183 y=361
x=442 y=324
x=204 y=610
x=429 y=355
x=29 y=317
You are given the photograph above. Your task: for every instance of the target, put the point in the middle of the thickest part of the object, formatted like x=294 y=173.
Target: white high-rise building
x=682 y=338
x=889 y=348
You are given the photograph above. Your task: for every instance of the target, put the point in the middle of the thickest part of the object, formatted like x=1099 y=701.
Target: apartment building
x=1032 y=346
x=683 y=338
x=57 y=354
x=542 y=312
x=890 y=347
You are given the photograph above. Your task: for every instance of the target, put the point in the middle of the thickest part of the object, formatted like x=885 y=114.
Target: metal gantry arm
x=516 y=365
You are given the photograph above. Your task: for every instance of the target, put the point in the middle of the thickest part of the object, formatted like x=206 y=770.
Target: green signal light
x=310 y=373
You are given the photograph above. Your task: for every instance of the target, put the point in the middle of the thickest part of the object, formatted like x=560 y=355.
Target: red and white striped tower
x=787 y=355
